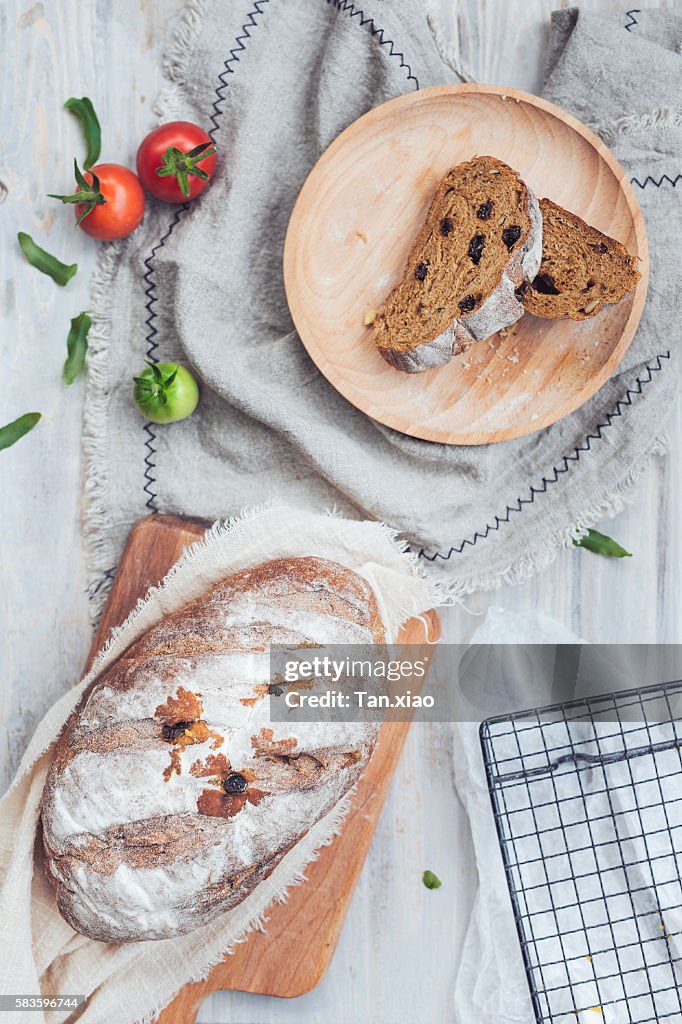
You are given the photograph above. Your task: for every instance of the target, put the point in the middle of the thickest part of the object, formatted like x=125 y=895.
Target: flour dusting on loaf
x=171 y=795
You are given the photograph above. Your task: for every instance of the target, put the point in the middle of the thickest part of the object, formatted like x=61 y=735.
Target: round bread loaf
x=171 y=795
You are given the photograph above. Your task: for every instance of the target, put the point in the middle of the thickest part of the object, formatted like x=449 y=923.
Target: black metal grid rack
x=587 y=799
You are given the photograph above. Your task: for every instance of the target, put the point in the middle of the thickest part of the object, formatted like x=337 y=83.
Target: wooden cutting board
x=295 y=951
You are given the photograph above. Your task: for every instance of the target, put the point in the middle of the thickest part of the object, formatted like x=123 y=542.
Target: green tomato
x=165 y=393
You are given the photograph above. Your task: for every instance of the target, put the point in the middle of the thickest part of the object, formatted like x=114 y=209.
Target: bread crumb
x=370 y=317
x=362 y=236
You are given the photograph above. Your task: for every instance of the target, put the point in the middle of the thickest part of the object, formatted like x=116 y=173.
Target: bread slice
x=582 y=270
x=481 y=240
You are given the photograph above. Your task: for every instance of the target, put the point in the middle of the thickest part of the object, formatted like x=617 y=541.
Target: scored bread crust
x=499 y=310
x=141 y=838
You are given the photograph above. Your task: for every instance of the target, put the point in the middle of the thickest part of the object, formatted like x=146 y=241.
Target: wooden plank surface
x=397 y=933
x=292 y=954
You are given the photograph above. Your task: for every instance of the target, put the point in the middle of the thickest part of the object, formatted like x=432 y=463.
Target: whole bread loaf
x=171 y=795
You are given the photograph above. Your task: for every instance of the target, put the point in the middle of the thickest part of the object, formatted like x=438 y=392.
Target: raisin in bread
x=481 y=240
x=171 y=795
x=582 y=270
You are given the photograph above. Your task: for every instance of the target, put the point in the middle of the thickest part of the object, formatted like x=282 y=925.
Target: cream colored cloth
x=131 y=982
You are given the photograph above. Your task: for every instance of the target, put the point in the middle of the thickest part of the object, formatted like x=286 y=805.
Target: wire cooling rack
x=587 y=799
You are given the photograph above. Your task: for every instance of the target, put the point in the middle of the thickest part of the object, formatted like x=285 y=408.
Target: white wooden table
x=399 y=952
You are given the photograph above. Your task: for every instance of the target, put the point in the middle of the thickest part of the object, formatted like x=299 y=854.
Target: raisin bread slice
x=481 y=240
x=582 y=270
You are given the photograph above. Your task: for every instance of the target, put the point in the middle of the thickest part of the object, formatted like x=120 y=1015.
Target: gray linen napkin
x=277 y=80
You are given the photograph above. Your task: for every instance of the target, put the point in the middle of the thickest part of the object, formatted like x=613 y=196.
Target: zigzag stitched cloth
x=276 y=81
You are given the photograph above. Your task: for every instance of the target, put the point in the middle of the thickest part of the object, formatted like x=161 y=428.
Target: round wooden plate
x=354 y=223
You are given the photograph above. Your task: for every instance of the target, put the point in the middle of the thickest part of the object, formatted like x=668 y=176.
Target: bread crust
x=141 y=838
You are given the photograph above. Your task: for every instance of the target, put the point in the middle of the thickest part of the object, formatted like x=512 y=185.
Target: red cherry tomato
x=175 y=162
x=123 y=206
x=109 y=202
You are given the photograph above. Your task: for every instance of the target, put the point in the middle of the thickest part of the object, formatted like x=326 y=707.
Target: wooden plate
x=354 y=222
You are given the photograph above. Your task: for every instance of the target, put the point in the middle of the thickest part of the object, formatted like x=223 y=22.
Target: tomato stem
x=88 y=195
x=175 y=163
x=157 y=387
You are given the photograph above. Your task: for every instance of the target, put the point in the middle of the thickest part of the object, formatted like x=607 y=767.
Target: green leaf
x=85 y=112
x=45 y=262
x=11 y=432
x=600 y=544
x=76 y=346
x=431 y=881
